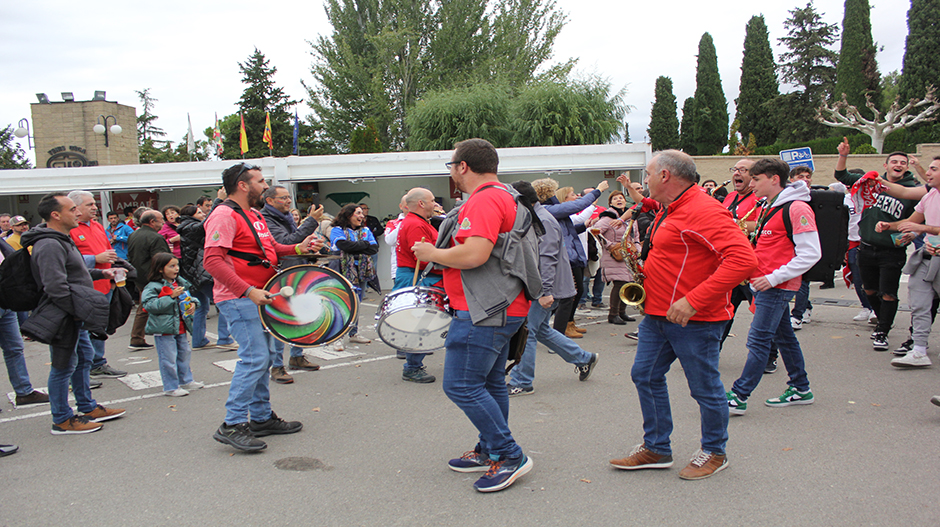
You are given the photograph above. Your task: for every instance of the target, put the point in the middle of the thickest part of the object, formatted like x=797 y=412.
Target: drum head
x=320 y=311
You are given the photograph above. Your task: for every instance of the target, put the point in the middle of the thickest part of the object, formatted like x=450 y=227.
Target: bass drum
x=320 y=311
x=414 y=319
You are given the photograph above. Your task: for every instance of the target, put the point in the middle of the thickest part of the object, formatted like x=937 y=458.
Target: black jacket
x=287 y=234
x=192 y=248
x=141 y=246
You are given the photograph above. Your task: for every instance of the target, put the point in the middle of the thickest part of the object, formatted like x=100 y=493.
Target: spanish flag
x=267 y=131
x=244 y=137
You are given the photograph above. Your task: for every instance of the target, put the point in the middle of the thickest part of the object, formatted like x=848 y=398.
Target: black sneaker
x=771 y=366
x=239 y=437
x=274 y=425
x=633 y=335
x=904 y=348
x=32 y=398
x=93 y=384
x=107 y=372
x=472 y=461
x=419 y=376
x=584 y=370
x=140 y=347
x=880 y=341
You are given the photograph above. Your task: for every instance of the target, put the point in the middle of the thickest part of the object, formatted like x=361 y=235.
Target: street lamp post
x=22 y=131
x=100 y=128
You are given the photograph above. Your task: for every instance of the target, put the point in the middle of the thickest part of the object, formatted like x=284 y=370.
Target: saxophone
x=742 y=223
x=632 y=293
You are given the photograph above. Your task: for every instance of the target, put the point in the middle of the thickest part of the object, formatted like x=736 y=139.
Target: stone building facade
x=64 y=135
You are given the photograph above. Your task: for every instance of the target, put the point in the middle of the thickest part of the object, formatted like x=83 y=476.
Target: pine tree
x=857 y=71
x=664 y=122
x=758 y=84
x=260 y=96
x=710 y=132
x=921 y=67
x=686 y=143
x=11 y=155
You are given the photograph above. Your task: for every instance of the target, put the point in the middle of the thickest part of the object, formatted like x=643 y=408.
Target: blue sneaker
x=503 y=473
x=472 y=461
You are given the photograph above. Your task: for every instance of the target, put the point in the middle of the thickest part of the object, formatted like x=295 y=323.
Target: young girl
x=170 y=308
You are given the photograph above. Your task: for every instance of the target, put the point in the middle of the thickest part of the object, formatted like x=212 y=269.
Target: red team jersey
x=774 y=248
x=225 y=228
x=91 y=239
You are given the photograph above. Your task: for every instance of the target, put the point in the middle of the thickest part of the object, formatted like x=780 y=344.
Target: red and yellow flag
x=267 y=131
x=244 y=137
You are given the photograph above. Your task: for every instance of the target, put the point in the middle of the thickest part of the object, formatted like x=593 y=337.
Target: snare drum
x=323 y=306
x=414 y=319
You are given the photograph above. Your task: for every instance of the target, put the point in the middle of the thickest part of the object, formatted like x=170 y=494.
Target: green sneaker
x=790 y=397
x=735 y=405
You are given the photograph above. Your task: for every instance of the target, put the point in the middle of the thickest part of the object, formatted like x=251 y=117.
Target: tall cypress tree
x=686 y=142
x=664 y=123
x=758 y=84
x=857 y=70
x=710 y=132
x=921 y=67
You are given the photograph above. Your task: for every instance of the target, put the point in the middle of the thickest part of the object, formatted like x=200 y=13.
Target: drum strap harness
x=252 y=259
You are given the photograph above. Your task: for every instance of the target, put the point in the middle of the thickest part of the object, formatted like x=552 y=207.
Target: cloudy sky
x=187 y=52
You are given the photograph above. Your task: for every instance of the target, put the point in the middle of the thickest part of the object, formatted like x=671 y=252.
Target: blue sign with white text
x=798 y=157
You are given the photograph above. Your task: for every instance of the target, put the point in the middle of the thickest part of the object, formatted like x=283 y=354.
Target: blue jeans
x=852 y=256
x=475 y=380
x=174 y=353
x=771 y=327
x=596 y=295
x=203 y=293
x=77 y=373
x=98 y=345
x=248 y=395
x=279 y=353
x=12 y=344
x=540 y=331
x=696 y=346
x=801 y=302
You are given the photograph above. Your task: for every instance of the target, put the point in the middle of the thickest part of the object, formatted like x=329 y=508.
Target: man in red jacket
x=696 y=255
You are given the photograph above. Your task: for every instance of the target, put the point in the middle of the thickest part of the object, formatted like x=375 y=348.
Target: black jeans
x=881 y=274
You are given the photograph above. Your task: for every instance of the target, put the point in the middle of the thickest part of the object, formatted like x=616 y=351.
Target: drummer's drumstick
x=286 y=291
x=414 y=281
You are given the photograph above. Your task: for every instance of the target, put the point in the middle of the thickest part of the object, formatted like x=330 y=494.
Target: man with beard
x=880 y=257
x=241 y=255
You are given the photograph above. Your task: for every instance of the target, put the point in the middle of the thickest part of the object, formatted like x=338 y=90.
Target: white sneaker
x=338 y=345
x=195 y=385
x=807 y=316
x=359 y=339
x=911 y=361
x=873 y=319
x=179 y=392
x=863 y=315
x=796 y=324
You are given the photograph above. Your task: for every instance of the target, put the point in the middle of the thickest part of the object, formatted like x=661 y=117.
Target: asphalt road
x=374 y=448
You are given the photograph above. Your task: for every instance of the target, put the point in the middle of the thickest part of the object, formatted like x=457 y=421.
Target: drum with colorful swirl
x=314 y=306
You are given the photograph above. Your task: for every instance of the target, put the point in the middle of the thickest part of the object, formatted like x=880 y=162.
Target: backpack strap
x=252 y=259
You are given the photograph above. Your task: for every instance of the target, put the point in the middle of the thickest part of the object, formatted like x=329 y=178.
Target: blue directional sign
x=798 y=157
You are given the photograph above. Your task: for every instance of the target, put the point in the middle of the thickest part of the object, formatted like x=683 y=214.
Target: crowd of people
x=509 y=257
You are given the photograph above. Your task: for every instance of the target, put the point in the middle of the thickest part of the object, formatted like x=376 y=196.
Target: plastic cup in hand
x=120 y=277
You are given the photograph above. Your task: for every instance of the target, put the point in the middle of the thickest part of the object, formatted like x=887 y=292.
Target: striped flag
x=267 y=131
x=244 y=137
x=217 y=137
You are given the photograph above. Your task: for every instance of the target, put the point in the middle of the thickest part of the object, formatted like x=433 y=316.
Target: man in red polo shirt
x=92 y=242
x=696 y=255
x=241 y=268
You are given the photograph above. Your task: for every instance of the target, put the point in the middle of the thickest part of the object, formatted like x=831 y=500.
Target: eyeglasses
x=452 y=164
x=738 y=169
x=283 y=198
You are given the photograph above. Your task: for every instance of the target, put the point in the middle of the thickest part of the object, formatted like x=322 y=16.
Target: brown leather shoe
x=641 y=458
x=280 y=375
x=301 y=363
x=572 y=327
x=704 y=465
x=572 y=333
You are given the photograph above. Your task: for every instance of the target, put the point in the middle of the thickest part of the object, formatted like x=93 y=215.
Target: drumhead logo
x=465 y=224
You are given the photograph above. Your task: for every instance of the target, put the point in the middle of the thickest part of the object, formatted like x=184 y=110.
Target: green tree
x=921 y=67
x=857 y=71
x=11 y=155
x=550 y=113
x=710 y=131
x=686 y=142
x=259 y=96
x=145 y=121
x=443 y=118
x=664 y=122
x=890 y=89
x=384 y=55
x=758 y=84
x=810 y=65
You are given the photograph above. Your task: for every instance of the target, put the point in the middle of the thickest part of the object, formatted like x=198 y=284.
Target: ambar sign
x=122 y=200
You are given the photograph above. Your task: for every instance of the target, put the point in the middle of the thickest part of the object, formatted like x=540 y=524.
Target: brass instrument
x=633 y=293
x=723 y=185
x=742 y=222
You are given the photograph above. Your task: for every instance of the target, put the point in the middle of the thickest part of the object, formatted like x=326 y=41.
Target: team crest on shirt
x=81 y=237
x=465 y=224
x=216 y=236
x=804 y=221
